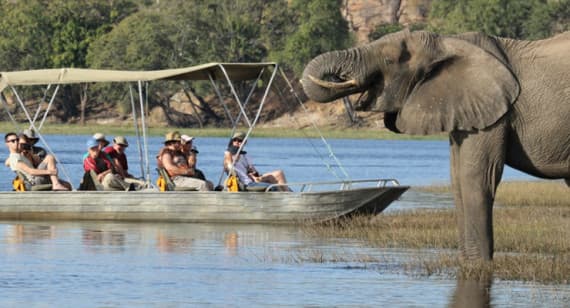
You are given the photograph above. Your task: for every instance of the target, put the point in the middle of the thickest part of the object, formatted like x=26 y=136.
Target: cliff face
x=364 y=16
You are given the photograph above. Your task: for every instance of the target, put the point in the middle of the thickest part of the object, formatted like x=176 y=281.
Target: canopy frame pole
x=137 y=132
x=48 y=107
x=145 y=143
x=40 y=103
x=221 y=98
x=258 y=113
x=247 y=100
x=41 y=137
x=234 y=93
x=234 y=126
x=327 y=145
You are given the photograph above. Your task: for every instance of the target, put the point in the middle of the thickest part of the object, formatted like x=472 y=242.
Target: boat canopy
x=213 y=72
x=208 y=71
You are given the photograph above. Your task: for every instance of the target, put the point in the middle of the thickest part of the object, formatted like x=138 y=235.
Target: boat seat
x=168 y=183
x=20 y=183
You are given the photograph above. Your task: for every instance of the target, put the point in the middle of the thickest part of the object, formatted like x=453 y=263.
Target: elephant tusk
x=333 y=85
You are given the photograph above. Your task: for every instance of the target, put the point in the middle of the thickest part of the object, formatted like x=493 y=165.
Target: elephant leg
x=477 y=166
x=456 y=188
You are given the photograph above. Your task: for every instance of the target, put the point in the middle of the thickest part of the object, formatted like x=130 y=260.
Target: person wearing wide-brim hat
x=242 y=165
x=175 y=162
x=32 y=137
x=119 y=158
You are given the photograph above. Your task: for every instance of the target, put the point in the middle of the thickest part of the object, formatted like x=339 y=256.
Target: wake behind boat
x=307 y=202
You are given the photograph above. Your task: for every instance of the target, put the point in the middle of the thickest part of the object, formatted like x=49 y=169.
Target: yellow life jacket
x=18 y=184
x=161 y=183
x=232 y=183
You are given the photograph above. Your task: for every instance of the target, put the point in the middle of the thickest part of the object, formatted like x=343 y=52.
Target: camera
x=25 y=146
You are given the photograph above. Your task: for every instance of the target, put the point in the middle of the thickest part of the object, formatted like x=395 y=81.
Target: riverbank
x=531 y=237
x=262 y=132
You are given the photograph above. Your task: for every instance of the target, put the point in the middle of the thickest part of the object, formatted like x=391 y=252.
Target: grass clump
x=531 y=236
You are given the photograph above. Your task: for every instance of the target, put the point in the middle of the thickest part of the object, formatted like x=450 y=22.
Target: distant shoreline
x=262 y=132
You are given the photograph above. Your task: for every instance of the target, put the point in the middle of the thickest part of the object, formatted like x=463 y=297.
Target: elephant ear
x=467 y=88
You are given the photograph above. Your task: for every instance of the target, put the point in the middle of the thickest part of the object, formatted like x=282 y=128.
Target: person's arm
x=228 y=161
x=172 y=169
x=192 y=160
x=119 y=167
x=251 y=171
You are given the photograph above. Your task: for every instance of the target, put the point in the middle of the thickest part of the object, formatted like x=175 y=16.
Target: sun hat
x=172 y=136
x=194 y=149
x=101 y=137
x=30 y=134
x=186 y=138
x=121 y=140
x=238 y=135
x=91 y=143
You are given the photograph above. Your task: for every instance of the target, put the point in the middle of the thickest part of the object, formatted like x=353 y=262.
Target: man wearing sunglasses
x=242 y=165
x=44 y=173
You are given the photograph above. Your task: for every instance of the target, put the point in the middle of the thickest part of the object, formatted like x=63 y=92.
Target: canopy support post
x=137 y=132
x=143 y=125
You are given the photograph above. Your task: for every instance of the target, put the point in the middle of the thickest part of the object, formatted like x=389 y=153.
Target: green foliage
x=24 y=35
x=530 y=19
x=319 y=28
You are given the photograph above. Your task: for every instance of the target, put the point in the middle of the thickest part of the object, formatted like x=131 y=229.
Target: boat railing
x=337 y=185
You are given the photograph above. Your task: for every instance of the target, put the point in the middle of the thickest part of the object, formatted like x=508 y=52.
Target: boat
x=306 y=202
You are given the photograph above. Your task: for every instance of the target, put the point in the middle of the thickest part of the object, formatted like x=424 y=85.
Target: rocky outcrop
x=364 y=16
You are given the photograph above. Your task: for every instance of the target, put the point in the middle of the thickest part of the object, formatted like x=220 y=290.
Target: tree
x=76 y=24
x=24 y=35
x=319 y=28
x=508 y=18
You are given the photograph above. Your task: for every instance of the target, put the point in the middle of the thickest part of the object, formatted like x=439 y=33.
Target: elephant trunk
x=334 y=75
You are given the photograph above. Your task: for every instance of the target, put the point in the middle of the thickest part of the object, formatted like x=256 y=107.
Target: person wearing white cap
x=244 y=168
x=191 y=152
x=119 y=159
x=100 y=137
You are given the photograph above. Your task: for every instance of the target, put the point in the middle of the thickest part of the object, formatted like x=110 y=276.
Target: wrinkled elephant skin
x=502 y=101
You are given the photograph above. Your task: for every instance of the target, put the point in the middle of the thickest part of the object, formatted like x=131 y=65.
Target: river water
x=101 y=264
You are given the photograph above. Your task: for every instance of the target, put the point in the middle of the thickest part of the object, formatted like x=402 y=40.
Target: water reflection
x=471 y=294
x=29 y=234
x=172 y=243
x=252 y=264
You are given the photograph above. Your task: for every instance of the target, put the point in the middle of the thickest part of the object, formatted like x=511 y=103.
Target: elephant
x=500 y=100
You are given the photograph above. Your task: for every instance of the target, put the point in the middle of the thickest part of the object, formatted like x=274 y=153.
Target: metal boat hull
x=173 y=206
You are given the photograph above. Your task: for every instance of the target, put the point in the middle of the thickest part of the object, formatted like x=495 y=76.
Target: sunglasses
x=238 y=140
x=12 y=141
